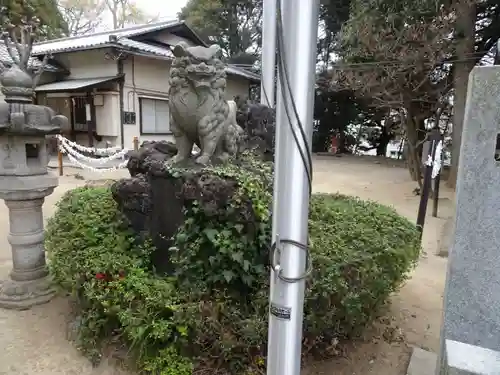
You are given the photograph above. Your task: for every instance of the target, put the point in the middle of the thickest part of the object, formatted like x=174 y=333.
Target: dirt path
x=34 y=342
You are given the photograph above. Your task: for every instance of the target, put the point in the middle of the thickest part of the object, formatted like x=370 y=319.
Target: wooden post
x=136 y=143
x=434 y=138
x=60 y=159
x=88 y=116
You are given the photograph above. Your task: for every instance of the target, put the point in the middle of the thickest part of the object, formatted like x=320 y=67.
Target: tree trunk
x=382 y=147
x=342 y=149
x=465 y=31
x=322 y=137
x=234 y=38
x=384 y=140
x=413 y=154
x=415 y=135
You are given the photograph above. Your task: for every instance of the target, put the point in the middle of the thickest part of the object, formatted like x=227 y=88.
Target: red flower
x=100 y=276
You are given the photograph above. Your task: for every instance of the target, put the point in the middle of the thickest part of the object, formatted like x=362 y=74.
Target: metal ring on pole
x=277 y=268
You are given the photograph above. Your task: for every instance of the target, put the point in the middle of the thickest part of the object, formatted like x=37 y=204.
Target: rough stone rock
x=259 y=123
x=150 y=153
x=153 y=198
x=133 y=198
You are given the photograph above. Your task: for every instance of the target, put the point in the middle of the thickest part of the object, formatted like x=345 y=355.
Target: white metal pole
x=267 y=96
x=300 y=28
x=268 y=62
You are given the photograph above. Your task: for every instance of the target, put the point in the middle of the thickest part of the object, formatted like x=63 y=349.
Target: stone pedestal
x=28 y=284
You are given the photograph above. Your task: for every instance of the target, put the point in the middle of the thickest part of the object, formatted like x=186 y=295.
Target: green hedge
x=212 y=313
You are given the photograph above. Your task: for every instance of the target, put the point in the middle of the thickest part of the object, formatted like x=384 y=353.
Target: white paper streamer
x=436 y=168
x=436 y=165
x=65 y=147
x=103 y=160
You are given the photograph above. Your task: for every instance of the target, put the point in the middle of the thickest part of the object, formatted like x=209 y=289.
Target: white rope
x=99 y=161
x=76 y=158
x=90 y=150
x=76 y=162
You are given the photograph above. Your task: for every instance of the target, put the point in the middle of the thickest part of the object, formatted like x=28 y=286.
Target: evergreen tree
x=52 y=24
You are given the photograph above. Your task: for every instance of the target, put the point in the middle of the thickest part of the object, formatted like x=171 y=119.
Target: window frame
x=141 y=117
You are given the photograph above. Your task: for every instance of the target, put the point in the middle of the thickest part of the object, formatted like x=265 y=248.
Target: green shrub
x=98 y=261
x=362 y=252
x=213 y=311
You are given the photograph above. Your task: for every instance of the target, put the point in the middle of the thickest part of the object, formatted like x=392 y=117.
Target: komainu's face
x=201 y=64
x=201 y=73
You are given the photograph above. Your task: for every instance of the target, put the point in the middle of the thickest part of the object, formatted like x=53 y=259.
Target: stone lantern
x=24 y=178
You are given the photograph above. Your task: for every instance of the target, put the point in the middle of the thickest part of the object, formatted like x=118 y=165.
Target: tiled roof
x=98 y=39
x=123 y=36
x=145 y=47
x=33 y=62
x=166 y=52
x=243 y=73
x=73 y=84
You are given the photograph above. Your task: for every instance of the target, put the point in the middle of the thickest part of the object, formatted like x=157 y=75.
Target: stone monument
x=470 y=337
x=199 y=112
x=24 y=178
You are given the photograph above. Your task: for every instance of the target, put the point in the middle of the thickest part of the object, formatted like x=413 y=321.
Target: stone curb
x=422 y=362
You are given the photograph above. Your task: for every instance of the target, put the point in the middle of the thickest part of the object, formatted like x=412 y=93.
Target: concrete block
x=422 y=362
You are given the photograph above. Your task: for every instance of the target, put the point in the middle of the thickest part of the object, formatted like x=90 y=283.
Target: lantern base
x=23 y=295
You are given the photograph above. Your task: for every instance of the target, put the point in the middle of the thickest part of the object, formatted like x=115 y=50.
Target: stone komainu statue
x=199 y=113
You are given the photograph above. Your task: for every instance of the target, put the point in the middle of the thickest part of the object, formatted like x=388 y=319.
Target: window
x=79 y=114
x=155 y=116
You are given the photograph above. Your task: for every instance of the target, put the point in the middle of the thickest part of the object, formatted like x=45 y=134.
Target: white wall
x=150 y=77
x=89 y=64
x=143 y=77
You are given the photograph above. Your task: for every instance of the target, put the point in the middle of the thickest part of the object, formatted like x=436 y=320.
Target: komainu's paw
x=203 y=159
x=175 y=159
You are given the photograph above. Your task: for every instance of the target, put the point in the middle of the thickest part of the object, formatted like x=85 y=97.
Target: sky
x=167 y=11
x=150 y=8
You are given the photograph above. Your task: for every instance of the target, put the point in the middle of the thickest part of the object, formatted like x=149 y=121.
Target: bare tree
x=401 y=66
x=126 y=12
x=82 y=16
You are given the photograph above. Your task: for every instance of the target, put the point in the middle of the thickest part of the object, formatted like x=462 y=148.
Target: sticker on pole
x=281 y=312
